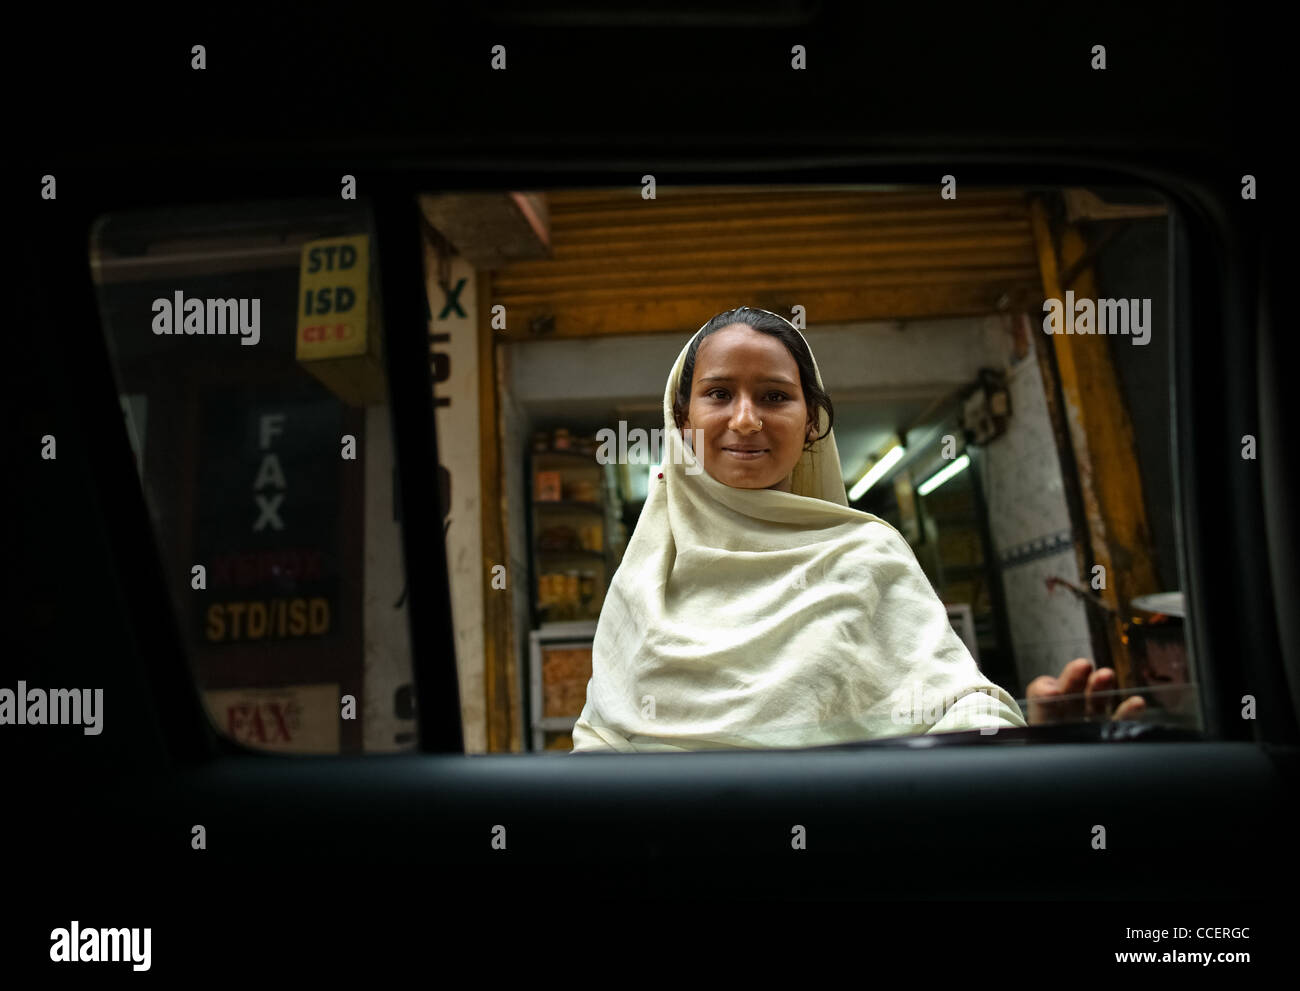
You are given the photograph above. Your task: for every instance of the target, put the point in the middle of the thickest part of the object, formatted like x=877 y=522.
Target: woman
x=753 y=608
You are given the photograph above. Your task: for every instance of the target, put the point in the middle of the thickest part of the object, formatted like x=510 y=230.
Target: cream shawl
x=754 y=618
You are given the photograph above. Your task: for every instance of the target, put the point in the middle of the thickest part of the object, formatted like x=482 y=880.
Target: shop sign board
x=333 y=298
x=266 y=523
x=300 y=719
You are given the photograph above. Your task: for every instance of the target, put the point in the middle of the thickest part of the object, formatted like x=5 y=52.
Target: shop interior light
x=939 y=477
x=876 y=472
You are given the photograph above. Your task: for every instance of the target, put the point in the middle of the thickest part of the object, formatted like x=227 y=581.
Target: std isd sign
x=338 y=337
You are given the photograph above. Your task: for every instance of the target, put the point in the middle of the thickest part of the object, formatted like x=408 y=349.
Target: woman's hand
x=1046 y=704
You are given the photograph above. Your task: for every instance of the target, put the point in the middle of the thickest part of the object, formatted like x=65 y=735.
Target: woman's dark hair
x=764 y=322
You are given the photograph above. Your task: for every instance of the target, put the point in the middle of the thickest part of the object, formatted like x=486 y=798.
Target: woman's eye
x=779 y=396
x=768 y=397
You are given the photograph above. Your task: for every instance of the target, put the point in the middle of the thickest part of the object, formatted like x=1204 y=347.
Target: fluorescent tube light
x=876 y=472
x=939 y=477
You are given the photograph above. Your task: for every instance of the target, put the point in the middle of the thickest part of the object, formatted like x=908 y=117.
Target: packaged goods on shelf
x=559 y=538
x=548 y=486
x=583 y=490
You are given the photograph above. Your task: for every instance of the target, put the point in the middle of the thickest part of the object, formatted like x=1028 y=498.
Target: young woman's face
x=746 y=398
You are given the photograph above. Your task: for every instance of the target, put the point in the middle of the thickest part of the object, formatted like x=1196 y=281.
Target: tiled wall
x=1030 y=524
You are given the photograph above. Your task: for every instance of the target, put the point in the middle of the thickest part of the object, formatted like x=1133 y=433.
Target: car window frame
x=1208 y=262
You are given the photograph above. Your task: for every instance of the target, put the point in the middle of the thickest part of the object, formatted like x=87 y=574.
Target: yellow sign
x=333 y=298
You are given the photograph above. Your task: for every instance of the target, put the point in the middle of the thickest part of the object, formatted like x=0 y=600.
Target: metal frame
x=576 y=634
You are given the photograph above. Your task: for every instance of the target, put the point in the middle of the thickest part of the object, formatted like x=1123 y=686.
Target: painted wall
x=850 y=356
x=454 y=326
x=1029 y=521
x=387 y=625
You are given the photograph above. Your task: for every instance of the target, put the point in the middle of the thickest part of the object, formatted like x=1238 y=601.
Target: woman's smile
x=746 y=453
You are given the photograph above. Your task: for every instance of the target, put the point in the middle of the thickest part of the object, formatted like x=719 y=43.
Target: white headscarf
x=752 y=618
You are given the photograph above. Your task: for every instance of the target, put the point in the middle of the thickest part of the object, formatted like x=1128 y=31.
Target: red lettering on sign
x=324 y=332
x=235 y=720
x=278 y=711
x=249 y=722
x=255 y=568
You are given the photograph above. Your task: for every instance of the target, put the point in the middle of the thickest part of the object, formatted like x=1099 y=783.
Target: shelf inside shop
x=556 y=722
x=591 y=507
x=569 y=628
x=566 y=455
